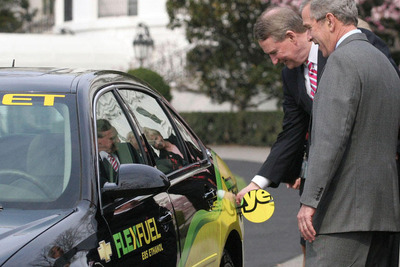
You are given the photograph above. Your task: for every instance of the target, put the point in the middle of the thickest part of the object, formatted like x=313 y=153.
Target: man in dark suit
x=281 y=35
x=107 y=139
x=350 y=203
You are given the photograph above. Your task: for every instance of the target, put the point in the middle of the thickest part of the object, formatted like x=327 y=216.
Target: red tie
x=113 y=162
x=312 y=74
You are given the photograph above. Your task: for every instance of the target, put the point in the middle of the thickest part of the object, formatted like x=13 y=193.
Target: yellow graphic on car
x=26 y=99
x=258 y=206
x=132 y=238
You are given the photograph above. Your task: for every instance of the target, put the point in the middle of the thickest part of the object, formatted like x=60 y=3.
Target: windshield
x=37 y=141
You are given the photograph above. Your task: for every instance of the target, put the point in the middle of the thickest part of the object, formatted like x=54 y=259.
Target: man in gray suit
x=350 y=203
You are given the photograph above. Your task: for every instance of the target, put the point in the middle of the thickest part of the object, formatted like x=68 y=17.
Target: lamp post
x=143 y=43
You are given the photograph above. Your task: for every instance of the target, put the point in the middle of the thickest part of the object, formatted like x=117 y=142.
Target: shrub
x=154 y=80
x=240 y=128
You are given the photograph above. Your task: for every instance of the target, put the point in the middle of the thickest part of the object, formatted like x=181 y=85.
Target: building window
x=67 y=10
x=48 y=7
x=112 y=8
x=132 y=7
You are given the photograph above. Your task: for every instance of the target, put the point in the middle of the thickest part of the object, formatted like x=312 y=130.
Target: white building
x=99 y=34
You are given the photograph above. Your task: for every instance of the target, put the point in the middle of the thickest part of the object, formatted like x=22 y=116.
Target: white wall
x=85 y=16
x=98 y=43
x=39 y=50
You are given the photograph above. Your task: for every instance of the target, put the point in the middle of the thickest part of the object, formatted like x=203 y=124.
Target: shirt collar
x=313 y=55
x=103 y=154
x=347 y=35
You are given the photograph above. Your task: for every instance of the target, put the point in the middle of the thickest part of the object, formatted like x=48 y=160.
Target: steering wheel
x=4 y=174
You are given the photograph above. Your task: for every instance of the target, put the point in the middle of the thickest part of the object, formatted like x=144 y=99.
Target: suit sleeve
x=334 y=113
x=284 y=161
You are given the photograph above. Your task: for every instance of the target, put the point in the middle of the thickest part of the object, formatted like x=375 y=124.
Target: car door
x=135 y=230
x=193 y=188
x=204 y=241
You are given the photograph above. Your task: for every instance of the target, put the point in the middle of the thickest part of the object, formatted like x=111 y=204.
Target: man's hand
x=251 y=186
x=295 y=184
x=304 y=221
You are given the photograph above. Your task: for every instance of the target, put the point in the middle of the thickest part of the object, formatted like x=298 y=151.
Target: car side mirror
x=137 y=180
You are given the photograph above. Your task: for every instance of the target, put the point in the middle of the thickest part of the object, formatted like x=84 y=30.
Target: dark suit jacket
x=107 y=172
x=284 y=161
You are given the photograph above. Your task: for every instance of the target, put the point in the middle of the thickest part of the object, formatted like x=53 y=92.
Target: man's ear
x=291 y=35
x=331 y=20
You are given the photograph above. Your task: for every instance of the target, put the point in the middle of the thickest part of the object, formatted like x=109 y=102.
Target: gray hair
x=344 y=10
x=275 y=22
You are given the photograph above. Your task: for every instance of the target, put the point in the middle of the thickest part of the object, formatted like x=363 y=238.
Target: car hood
x=20 y=227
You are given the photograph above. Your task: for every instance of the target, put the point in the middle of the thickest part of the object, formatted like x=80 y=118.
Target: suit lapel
x=303 y=96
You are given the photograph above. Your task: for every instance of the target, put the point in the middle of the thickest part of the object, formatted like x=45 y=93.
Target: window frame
x=167 y=109
x=150 y=94
x=99 y=93
x=131 y=9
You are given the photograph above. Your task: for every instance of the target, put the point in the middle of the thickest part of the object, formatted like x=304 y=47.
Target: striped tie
x=113 y=162
x=312 y=74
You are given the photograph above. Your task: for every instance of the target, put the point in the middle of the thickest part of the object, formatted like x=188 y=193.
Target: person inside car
x=107 y=139
x=170 y=157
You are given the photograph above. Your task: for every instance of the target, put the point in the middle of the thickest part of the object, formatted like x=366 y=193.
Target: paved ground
x=256 y=154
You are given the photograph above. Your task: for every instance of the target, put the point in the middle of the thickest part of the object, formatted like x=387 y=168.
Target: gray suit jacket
x=352 y=174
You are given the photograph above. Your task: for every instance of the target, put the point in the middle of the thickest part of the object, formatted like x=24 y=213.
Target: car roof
x=61 y=80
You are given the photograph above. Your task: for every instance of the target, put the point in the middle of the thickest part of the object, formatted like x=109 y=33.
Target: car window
x=38 y=139
x=116 y=141
x=167 y=150
x=196 y=154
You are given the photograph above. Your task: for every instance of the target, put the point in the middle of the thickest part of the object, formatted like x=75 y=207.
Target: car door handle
x=210 y=196
x=165 y=218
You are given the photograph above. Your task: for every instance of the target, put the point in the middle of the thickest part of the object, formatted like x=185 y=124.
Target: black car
x=97 y=169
